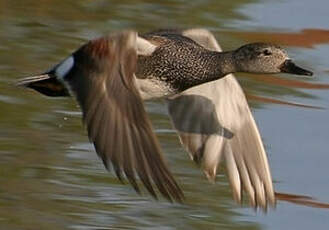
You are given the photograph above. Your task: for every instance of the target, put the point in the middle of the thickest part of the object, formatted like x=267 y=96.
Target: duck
x=111 y=76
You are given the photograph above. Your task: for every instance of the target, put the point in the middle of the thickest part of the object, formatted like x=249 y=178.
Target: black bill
x=289 y=67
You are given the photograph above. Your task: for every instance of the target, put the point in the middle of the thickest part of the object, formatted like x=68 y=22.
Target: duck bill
x=289 y=67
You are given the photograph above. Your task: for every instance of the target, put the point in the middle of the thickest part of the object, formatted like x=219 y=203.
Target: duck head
x=265 y=58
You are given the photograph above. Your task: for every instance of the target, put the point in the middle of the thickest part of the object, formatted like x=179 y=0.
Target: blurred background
x=50 y=176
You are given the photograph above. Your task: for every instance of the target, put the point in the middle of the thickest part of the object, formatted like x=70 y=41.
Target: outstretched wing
x=103 y=82
x=214 y=122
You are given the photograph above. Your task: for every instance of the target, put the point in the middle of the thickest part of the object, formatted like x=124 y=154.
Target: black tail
x=45 y=84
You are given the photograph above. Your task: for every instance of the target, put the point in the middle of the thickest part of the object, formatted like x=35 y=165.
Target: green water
x=50 y=176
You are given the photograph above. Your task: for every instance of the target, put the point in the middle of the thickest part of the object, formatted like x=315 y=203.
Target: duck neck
x=216 y=66
x=225 y=64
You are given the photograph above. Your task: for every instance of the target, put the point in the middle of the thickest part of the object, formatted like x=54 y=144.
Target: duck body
x=178 y=63
x=175 y=64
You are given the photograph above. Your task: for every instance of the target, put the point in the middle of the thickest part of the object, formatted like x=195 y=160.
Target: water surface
x=50 y=175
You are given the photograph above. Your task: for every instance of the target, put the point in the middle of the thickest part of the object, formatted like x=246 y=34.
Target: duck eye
x=267 y=52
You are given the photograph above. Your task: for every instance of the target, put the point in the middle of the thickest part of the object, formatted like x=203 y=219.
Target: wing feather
x=114 y=113
x=214 y=122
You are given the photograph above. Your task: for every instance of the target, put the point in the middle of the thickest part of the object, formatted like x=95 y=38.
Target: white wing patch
x=145 y=47
x=64 y=67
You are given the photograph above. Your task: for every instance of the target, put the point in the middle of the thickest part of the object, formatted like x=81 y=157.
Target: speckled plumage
x=179 y=62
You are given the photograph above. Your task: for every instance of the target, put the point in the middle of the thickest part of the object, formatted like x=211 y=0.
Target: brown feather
x=103 y=82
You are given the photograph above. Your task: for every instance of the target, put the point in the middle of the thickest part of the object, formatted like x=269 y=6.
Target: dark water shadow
x=301 y=200
x=306 y=38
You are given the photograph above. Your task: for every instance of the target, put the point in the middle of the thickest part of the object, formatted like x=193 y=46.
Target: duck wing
x=103 y=83
x=214 y=122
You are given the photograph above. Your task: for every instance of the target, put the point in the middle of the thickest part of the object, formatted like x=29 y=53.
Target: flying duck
x=112 y=75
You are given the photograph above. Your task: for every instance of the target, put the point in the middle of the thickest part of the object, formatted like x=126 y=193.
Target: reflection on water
x=50 y=175
x=307 y=38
